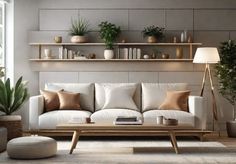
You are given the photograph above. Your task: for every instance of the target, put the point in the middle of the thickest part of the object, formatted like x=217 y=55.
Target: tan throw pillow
x=68 y=100
x=176 y=100
x=51 y=100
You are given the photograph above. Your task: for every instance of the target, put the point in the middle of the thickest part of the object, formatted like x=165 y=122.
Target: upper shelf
x=111 y=60
x=117 y=44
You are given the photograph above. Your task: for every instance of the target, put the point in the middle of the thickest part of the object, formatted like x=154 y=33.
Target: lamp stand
x=214 y=107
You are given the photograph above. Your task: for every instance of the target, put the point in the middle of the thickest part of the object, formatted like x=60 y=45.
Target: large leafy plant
x=109 y=32
x=79 y=27
x=12 y=98
x=153 y=31
x=1 y=72
x=226 y=72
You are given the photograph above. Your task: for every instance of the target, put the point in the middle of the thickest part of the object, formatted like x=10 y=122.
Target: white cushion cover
x=31 y=147
x=120 y=97
x=86 y=91
x=109 y=115
x=181 y=116
x=100 y=93
x=50 y=120
x=153 y=94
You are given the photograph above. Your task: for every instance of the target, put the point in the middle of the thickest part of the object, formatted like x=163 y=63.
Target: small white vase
x=108 y=54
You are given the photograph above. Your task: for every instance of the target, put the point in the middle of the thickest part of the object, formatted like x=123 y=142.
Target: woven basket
x=13 y=125
x=171 y=122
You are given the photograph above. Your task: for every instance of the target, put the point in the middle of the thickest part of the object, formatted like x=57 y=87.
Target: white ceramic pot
x=108 y=54
x=79 y=39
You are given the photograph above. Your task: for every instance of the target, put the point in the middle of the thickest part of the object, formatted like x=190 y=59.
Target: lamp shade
x=206 y=55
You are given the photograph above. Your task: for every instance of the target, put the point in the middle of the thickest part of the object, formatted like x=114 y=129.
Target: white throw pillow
x=119 y=97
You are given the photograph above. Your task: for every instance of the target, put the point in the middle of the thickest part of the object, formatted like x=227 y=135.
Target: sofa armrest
x=36 y=106
x=196 y=107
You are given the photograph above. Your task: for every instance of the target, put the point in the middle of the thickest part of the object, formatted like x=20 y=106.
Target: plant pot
x=165 y=56
x=79 y=39
x=108 y=54
x=151 y=39
x=231 y=128
x=179 y=53
x=13 y=124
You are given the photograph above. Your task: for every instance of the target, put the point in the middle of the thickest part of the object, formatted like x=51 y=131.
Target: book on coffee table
x=120 y=120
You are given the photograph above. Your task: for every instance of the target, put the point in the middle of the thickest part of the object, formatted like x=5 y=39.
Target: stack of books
x=121 y=120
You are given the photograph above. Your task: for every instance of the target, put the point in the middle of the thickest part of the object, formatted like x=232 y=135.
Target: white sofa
x=147 y=97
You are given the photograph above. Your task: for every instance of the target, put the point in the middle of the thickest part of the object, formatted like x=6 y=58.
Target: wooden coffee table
x=109 y=129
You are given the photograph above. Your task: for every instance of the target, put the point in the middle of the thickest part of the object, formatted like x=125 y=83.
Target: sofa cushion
x=181 y=116
x=69 y=100
x=109 y=115
x=153 y=94
x=86 y=91
x=51 y=100
x=177 y=100
x=100 y=93
x=120 y=97
x=51 y=119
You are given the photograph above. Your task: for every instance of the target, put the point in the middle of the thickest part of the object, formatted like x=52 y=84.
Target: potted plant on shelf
x=153 y=33
x=11 y=100
x=78 y=31
x=109 y=32
x=226 y=74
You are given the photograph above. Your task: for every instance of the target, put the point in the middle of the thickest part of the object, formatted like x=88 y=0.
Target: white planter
x=108 y=54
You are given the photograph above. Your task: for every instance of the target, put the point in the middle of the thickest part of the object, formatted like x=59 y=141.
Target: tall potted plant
x=153 y=33
x=109 y=32
x=79 y=29
x=226 y=73
x=11 y=99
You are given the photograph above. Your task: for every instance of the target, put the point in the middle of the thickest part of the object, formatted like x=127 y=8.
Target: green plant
x=1 y=72
x=153 y=31
x=109 y=32
x=79 y=27
x=12 y=98
x=226 y=72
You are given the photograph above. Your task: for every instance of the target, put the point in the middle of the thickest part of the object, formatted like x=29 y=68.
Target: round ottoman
x=32 y=147
x=3 y=139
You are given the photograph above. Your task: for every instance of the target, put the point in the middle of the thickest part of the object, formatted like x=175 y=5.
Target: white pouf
x=32 y=147
x=3 y=139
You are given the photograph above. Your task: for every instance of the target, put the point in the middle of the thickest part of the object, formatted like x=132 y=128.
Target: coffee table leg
x=174 y=142
x=74 y=141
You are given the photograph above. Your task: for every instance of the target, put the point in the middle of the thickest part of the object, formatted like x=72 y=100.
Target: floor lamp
x=207 y=56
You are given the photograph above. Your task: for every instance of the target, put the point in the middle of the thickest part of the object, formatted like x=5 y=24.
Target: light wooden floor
x=222 y=138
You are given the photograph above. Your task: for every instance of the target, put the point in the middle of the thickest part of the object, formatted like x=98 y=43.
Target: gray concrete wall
x=208 y=21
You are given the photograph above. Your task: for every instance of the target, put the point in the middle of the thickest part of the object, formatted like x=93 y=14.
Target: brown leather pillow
x=176 y=100
x=51 y=100
x=68 y=100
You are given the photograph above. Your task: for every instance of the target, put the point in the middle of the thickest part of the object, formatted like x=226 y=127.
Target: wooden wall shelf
x=116 y=44
x=188 y=45
x=111 y=60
